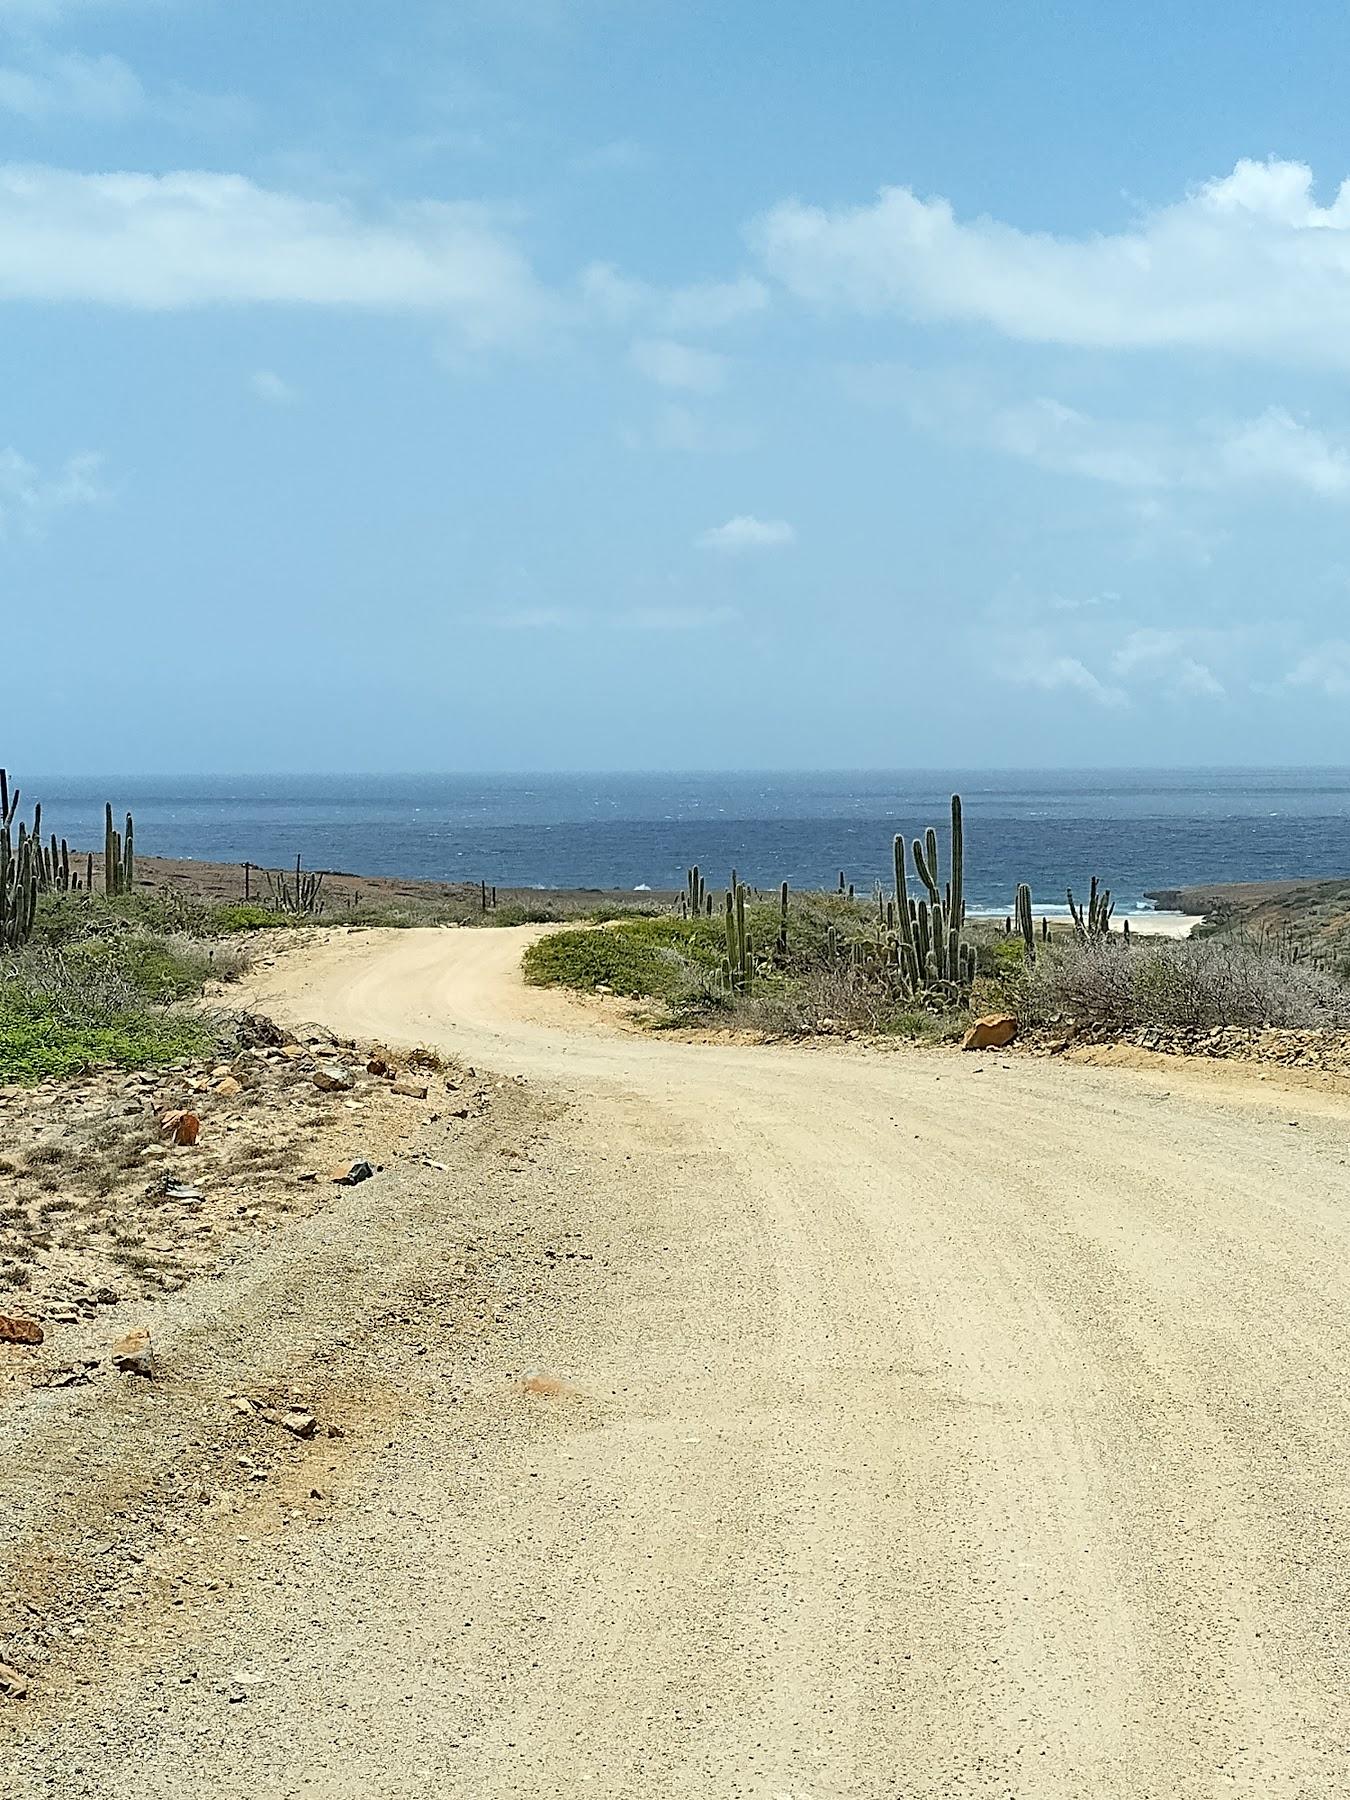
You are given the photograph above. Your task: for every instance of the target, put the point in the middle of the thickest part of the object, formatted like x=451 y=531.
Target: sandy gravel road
x=933 y=1426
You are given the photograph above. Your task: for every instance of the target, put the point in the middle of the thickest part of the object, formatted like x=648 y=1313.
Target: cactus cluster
x=696 y=901
x=119 y=855
x=19 y=879
x=738 y=963
x=302 y=892
x=1092 y=924
x=932 y=955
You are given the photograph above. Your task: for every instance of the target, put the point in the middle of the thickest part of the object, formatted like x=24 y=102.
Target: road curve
x=955 y=1426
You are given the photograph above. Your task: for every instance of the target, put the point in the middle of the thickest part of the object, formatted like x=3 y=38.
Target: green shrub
x=61 y=1014
x=247 y=915
x=644 y=957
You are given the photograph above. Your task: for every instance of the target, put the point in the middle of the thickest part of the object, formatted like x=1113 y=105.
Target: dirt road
x=926 y=1426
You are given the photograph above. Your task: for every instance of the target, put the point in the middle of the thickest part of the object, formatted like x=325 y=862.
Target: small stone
x=410 y=1088
x=349 y=1174
x=132 y=1353
x=13 y=1685
x=14 y=1330
x=333 y=1078
x=180 y=1127
x=229 y=1087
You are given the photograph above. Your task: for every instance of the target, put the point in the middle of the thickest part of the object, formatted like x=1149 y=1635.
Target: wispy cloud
x=623 y=156
x=29 y=498
x=633 y=618
x=1323 y=670
x=1051 y=671
x=538 y=618
x=745 y=532
x=1271 y=451
x=674 y=365
x=682 y=428
x=46 y=86
x=674 y=618
x=619 y=299
x=267 y=385
x=1248 y=264
x=1166 y=657
x=195 y=239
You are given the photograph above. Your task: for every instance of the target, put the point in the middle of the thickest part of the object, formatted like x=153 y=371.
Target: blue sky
x=642 y=384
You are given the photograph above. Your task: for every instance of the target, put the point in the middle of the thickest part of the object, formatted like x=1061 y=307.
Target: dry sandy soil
x=830 y=1423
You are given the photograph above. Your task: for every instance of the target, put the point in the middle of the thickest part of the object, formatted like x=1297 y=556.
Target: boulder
x=991 y=1032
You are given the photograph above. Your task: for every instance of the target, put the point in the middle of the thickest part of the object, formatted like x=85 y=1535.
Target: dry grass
x=1195 y=982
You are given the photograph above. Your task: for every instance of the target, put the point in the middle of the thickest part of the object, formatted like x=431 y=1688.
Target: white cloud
x=101 y=88
x=745 y=532
x=675 y=618
x=1271 y=451
x=1276 y=449
x=678 y=427
x=618 y=299
x=197 y=239
x=1165 y=657
x=1052 y=672
x=1248 y=264
x=267 y=385
x=674 y=365
x=28 y=498
x=1325 y=670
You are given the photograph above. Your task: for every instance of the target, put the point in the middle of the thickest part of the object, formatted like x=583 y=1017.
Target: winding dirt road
x=934 y=1426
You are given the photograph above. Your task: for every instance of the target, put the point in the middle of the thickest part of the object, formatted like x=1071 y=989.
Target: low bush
x=60 y=1015
x=645 y=958
x=247 y=915
x=1162 y=982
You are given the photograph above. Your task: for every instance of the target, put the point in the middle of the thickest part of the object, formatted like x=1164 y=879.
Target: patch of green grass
x=35 y=1044
x=247 y=915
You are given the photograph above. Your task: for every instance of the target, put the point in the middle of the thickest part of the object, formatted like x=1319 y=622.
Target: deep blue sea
x=1136 y=829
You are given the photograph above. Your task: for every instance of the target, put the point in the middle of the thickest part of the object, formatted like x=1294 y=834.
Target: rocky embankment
x=120 y=1186
x=1324 y=1050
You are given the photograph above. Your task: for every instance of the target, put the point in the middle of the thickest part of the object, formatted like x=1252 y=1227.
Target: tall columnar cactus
x=737 y=964
x=931 y=951
x=783 y=919
x=119 y=855
x=1025 y=923
x=19 y=878
x=695 y=893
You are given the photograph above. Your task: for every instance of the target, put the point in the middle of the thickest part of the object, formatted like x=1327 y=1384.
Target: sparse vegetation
x=1185 y=983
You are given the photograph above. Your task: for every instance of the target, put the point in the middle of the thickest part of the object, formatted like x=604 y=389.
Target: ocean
x=1137 y=829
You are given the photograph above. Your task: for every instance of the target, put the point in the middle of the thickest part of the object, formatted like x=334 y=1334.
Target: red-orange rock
x=180 y=1127
x=19 y=1331
x=990 y=1033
